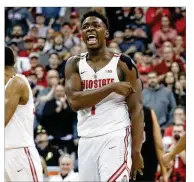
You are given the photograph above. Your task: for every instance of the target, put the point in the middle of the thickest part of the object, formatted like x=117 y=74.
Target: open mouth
x=92 y=39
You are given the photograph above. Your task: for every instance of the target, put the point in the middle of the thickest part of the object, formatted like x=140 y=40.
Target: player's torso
x=19 y=130
x=112 y=112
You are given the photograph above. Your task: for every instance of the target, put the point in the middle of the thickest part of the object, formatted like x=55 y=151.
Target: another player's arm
x=158 y=142
x=77 y=98
x=13 y=97
x=134 y=102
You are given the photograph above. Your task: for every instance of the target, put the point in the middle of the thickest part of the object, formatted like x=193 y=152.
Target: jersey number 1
x=93 y=110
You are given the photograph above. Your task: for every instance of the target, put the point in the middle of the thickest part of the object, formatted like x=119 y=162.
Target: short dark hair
x=66 y=24
x=9 y=57
x=96 y=14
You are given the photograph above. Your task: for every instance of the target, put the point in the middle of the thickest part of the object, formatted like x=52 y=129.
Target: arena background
x=44 y=38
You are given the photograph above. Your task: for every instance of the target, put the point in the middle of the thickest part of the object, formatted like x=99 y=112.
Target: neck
x=9 y=72
x=97 y=54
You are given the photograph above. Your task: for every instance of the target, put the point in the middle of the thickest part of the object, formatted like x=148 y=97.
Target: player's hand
x=167 y=158
x=137 y=165
x=123 y=88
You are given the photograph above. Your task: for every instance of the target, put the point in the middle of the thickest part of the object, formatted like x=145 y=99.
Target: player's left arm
x=13 y=95
x=134 y=102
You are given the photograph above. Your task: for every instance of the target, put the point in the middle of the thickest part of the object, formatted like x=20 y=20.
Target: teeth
x=91 y=36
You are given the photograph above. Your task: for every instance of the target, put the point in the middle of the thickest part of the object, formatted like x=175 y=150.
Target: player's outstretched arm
x=77 y=98
x=13 y=96
x=135 y=105
x=180 y=146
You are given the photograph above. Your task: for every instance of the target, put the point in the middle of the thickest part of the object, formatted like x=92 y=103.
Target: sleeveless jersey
x=111 y=113
x=19 y=130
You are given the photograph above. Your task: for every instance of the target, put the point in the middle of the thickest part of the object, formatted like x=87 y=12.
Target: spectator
x=179 y=167
x=17 y=37
x=53 y=61
x=182 y=79
x=43 y=55
x=19 y=16
x=33 y=32
x=66 y=170
x=175 y=68
x=164 y=34
x=178 y=118
x=142 y=30
x=179 y=49
x=159 y=98
x=58 y=111
x=113 y=47
x=70 y=40
x=153 y=17
x=168 y=58
x=58 y=44
x=28 y=47
x=34 y=61
x=130 y=45
x=169 y=81
x=42 y=28
x=49 y=153
x=118 y=37
x=41 y=76
x=75 y=24
x=49 y=38
x=180 y=23
x=46 y=94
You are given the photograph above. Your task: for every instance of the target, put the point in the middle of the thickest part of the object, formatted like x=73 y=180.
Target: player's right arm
x=79 y=99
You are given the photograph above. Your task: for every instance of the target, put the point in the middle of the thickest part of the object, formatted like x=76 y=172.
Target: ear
x=107 y=34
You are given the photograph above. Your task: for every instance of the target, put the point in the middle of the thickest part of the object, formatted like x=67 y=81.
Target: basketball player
x=22 y=161
x=180 y=146
x=106 y=91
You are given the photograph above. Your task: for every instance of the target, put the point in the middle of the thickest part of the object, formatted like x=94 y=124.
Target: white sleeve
x=38 y=10
x=62 y=12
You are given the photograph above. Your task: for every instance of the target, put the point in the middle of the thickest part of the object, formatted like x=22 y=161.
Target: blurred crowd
x=43 y=38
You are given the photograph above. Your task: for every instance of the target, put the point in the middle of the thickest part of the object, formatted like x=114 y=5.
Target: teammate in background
x=22 y=161
x=106 y=91
x=180 y=146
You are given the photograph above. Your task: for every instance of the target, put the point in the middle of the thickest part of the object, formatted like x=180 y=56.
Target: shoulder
x=128 y=61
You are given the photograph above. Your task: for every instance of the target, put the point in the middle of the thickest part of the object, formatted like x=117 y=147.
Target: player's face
x=94 y=32
x=66 y=165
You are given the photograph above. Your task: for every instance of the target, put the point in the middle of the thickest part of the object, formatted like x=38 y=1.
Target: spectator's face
x=138 y=15
x=179 y=114
x=40 y=20
x=178 y=132
x=148 y=60
x=152 y=80
x=54 y=61
x=167 y=44
x=58 y=40
x=168 y=54
x=28 y=45
x=75 y=50
x=50 y=33
x=66 y=30
x=52 y=78
x=42 y=141
x=17 y=31
x=39 y=72
x=40 y=44
x=138 y=57
x=118 y=37
x=175 y=68
x=113 y=46
x=179 y=41
x=165 y=22
x=169 y=78
x=59 y=91
x=32 y=79
x=144 y=78
x=34 y=32
x=94 y=32
x=34 y=61
x=66 y=165
x=183 y=81
x=128 y=33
